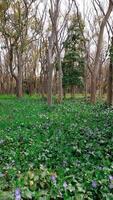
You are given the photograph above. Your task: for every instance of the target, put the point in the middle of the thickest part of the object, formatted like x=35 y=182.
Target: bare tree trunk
x=93 y=88
x=11 y=51
x=11 y=85
x=60 y=74
x=98 y=51
x=19 y=86
x=110 y=80
x=20 y=73
x=100 y=81
x=53 y=40
x=50 y=71
x=50 y=81
x=85 y=82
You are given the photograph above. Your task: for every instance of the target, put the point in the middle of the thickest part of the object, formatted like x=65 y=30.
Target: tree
x=53 y=13
x=17 y=21
x=14 y=24
x=74 y=61
x=55 y=41
x=98 y=51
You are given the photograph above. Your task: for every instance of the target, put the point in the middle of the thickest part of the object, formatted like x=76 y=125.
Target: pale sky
x=86 y=5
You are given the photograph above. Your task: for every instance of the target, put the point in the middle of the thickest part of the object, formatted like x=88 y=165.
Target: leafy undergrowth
x=62 y=152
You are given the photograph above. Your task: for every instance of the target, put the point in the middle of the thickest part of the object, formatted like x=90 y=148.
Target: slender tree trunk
x=11 y=85
x=11 y=51
x=20 y=73
x=98 y=51
x=19 y=86
x=49 y=96
x=50 y=72
x=100 y=80
x=60 y=90
x=53 y=41
x=85 y=83
x=93 y=88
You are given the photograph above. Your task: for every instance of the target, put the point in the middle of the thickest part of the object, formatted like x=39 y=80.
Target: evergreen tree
x=74 y=61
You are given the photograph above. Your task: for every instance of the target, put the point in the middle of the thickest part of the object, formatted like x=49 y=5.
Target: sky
x=84 y=5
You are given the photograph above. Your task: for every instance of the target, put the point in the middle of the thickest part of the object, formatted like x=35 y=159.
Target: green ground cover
x=62 y=152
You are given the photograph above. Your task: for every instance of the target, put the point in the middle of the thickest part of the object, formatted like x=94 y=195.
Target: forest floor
x=59 y=152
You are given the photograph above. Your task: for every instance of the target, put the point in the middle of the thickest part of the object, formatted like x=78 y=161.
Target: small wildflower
x=17 y=194
x=94 y=184
x=53 y=179
x=65 y=185
x=111 y=178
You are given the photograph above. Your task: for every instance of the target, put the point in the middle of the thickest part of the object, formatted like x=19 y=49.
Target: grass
x=61 y=152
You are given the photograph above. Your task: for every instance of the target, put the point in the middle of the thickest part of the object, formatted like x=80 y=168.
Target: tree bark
x=19 y=85
x=19 y=79
x=60 y=74
x=49 y=96
x=93 y=88
x=98 y=51
x=50 y=70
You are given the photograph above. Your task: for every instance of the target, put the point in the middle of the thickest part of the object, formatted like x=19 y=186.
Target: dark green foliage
x=62 y=152
x=111 y=50
x=73 y=63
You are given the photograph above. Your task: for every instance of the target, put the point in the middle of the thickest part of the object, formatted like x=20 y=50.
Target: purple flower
x=65 y=185
x=94 y=184
x=53 y=178
x=111 y=186
x=17 y=194
x=111 y=178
